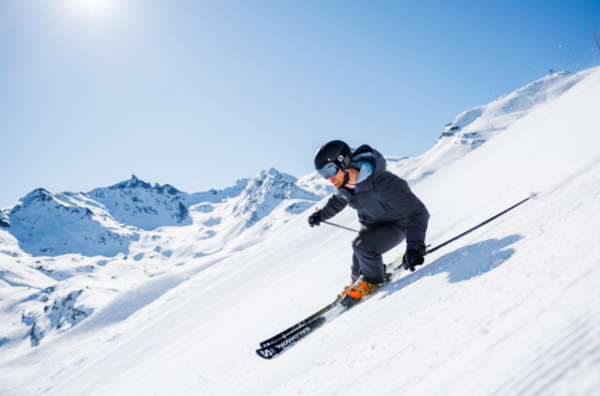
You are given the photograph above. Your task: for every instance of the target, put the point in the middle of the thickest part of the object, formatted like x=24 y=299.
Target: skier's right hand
x=411 y=259
x=314 y=219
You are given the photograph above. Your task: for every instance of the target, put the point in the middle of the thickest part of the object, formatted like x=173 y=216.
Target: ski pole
x=336 y=225
x=531 y=195
x=595 y=37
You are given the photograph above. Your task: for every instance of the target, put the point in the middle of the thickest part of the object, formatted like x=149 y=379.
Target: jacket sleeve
x=335 y=205
x=400 y=198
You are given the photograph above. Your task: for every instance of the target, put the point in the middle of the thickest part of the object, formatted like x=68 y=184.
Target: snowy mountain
x=56 y=224
x=105 y=221
x=267 y=191
x=507 y=310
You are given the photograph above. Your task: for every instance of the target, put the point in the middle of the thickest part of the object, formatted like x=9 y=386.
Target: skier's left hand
x=314 y=219
x=411 y=259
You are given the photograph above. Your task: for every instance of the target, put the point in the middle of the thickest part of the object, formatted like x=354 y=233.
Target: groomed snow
x=510 y=309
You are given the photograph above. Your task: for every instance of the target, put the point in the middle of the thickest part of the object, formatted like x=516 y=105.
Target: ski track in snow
x=510 y=309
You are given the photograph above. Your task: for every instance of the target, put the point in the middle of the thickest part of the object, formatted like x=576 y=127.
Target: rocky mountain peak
x=39 y=194
x=269 y=189
x=132 y=183
x=139 y=204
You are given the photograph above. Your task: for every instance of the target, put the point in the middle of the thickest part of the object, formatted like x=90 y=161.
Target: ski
x=295 y=327
x=320 y=313
x=276 y=345
x=289 y=340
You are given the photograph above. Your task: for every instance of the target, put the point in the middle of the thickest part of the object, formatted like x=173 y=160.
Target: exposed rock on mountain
x=139 y=204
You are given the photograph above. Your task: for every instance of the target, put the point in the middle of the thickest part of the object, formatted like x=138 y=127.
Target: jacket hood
x=367 y=154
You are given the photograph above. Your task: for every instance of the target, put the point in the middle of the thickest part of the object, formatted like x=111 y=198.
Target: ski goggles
x=328 y=170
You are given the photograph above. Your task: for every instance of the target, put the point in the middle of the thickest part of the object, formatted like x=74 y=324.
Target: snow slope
x=510 y=309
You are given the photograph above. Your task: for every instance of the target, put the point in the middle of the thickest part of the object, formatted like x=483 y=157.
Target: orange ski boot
x=355 y=292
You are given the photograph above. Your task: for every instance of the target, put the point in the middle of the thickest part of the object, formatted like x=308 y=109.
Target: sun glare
x=93 y=7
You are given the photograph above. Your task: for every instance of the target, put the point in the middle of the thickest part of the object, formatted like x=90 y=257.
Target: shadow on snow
x=465 y=263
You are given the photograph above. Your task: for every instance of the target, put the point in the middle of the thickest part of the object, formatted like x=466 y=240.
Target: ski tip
x=266 y=353
x=533 y=195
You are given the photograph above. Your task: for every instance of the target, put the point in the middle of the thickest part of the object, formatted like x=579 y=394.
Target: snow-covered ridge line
x=475 y=126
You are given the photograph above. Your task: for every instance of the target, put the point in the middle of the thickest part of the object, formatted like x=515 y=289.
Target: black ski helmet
x=335 y=152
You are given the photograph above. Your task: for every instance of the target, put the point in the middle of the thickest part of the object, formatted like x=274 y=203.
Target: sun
x=93 y=7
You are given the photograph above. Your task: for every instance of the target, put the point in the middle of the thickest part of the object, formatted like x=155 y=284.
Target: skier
x=387 y=209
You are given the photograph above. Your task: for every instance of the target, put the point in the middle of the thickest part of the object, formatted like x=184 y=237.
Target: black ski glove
x=411 y=259
x=314 y=219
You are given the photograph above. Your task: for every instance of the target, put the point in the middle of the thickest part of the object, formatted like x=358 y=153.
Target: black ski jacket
x=381 y=198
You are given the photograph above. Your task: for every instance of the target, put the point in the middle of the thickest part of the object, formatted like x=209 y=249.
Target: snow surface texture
x=510 y=309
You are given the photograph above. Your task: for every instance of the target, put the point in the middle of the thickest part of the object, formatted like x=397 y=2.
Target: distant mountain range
x=104 y=221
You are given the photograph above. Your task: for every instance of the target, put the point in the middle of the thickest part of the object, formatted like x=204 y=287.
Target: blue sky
x=199 y=94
